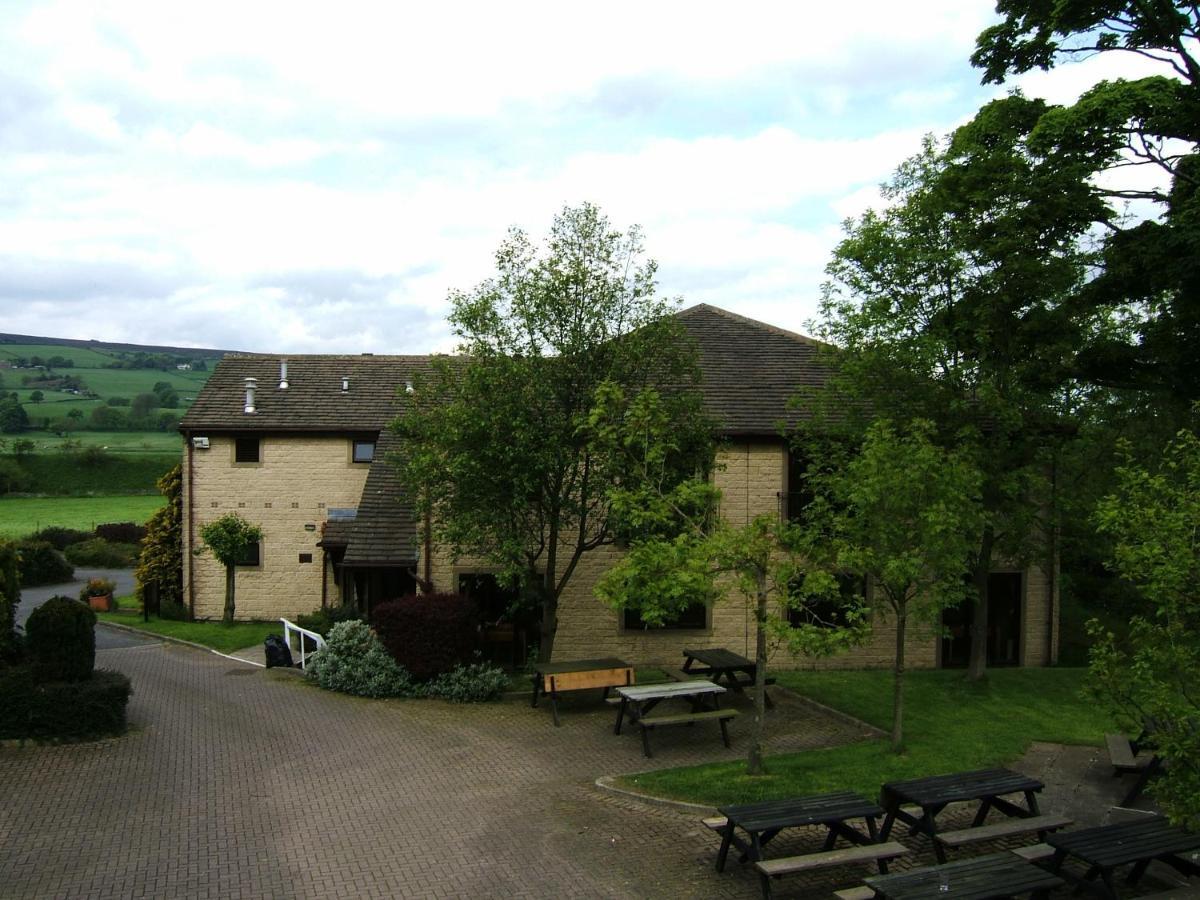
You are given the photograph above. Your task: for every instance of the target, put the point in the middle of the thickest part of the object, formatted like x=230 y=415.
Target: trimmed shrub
x=10 y=597
x=176 y=612
x=428 y=634
x=121 y=532
x=60 y=538
x=476 y=683
x=160 y=560
x=61 y=640
x=102 y=554
x=62 y=710
x=354 y=662
x=322 y=620
x=42 y=564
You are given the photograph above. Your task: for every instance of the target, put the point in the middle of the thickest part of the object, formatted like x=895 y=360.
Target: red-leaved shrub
x=428 y=633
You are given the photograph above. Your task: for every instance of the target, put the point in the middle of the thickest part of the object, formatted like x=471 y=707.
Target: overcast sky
x=260 y=176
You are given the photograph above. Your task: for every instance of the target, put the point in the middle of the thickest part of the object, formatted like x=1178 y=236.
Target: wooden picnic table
x=763 y=821
x=1140 y=842
x=578 y=675
x=637 y=702
x=933 y=794
x=979 y=878
x=720 y=664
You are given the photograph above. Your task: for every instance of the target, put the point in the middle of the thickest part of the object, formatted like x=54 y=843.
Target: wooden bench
x=855 y=893
x=723 y=716
x=579 y=675
x=1122 y=756
x=1034 y=852
x=1007 y=828
x=788 y=865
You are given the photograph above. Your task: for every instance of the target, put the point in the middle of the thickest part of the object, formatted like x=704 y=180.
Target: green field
x=118 y=442
x=82 y=356
x=21 y=516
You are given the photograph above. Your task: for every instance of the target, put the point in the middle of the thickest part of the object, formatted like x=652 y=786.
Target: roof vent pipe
x=251 y=385
x=283 y=383
x=345 y=383
x=408 y=388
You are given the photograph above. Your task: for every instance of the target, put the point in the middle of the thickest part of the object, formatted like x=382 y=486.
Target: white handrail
x=302 y=633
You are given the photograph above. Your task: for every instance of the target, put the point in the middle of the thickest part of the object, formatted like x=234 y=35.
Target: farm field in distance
x=21 y=516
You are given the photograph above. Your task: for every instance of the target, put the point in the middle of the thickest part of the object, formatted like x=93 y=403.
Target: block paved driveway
x=240 y=782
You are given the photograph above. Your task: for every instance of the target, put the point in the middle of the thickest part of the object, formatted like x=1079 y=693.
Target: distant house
x=299 y=446
x=183 y=367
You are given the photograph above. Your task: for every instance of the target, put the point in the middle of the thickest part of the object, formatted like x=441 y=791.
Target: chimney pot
x=283 y=382
x=251 y=385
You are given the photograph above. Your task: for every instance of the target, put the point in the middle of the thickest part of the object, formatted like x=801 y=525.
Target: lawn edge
x=606 y=783
x=129 y=629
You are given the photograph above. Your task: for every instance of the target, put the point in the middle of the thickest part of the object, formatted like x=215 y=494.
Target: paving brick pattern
x=238 y=782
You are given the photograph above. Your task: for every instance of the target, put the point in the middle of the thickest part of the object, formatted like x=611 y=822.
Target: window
x=826 y=612
x=364 y=451
x=245 y=450
x=495 y=603
x=799 y=493
x=252 y=556
x=694 y=618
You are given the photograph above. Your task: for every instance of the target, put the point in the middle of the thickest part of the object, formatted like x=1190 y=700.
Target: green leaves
x=229 y=537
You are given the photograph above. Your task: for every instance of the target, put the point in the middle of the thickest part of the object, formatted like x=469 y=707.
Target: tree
x=13 y=419
x=160 y=559
x=1154 y=518
x=142 y=405
x=10 y=598
x=494 y=443
x=939 y=310
x=902 y=513
x=680 y=553
x=36 y=396
x=1149 y=126
x=106 y=418
x=230 y=539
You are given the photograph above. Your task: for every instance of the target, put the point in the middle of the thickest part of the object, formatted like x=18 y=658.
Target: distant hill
x=196 y=352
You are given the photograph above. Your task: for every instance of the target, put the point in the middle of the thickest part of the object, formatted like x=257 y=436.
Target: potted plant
x=98 y=594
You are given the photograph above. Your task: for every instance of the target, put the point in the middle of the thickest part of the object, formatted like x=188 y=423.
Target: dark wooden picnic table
x=1139 y=842
x=763 y=821
x=979 y=878
x=737 y=672
x=934 y=793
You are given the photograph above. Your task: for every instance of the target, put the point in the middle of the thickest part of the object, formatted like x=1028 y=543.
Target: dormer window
x=363 y=451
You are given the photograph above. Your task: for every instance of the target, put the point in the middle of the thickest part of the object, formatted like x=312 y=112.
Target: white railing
x=301 y=633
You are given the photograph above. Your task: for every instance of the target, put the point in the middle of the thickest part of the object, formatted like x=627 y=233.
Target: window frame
x=354 y=445
x=241 y=563
x=258 y=450
x=666 y=627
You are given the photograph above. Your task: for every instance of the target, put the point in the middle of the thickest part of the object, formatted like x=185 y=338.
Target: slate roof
x=385 y=531
x=313 y=401
x=751 y=370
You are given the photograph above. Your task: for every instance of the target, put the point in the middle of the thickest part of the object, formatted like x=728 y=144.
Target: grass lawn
x=117 y=442
x=20 y=516
x=216 y=635
x=951 y=726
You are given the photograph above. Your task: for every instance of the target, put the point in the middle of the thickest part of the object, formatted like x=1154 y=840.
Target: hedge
x=56 y=709
x=42 y=564
x=428 y=634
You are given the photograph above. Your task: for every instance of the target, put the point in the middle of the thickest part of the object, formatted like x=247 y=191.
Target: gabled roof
x=384 y=532
x=751 y=370
x=313 y=401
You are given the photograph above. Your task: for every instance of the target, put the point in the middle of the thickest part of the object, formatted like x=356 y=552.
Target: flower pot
x=100 y=602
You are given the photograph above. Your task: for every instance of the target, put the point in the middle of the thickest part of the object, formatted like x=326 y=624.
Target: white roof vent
x=408 y=387
x=283 y=382
x=345 y=383
x=251 y=386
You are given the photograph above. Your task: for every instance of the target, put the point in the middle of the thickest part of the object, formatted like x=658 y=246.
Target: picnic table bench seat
x=722 y=716
x=1123 y=756
x=855 y=893
x=807 y=862
x=978 y=878
x=1007 y=828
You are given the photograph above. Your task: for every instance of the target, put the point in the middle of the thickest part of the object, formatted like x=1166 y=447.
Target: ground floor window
x=694 y=618
x=1005 y=595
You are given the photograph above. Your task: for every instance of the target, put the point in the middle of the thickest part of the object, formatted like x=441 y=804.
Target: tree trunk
x=755 y=763
x=549 y=625
x=977 y=665
x=898 y=679
x=227 y=618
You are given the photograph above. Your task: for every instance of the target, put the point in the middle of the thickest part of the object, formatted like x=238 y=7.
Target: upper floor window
x=246 y=450
x=363 y=452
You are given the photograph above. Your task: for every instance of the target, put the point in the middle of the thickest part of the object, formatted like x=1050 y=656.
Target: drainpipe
x=191 y=525
x=429 y=550
x=1052 y=574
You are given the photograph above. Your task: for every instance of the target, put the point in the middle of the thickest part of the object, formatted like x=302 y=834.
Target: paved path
x=244 y=782
x=106 y=638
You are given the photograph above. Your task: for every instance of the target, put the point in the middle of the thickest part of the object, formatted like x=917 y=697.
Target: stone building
x=299 y=446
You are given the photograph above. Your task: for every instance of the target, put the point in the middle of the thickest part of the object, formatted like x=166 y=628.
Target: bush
x=58 y=710
x=61 y=640
x=10 y=597
x=121 y=532
x=13 y=478
x=160 y=557
x=354 y=662
x=176 y=612
x=60 y=538
x=322 y=620
x=476 y=683
x=428 y=634
x=102 y=554
x=42 y=564
x=96 y=587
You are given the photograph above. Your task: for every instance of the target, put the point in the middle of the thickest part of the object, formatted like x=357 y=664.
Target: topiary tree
x=230 y=538
x=61 y=635
x=10 y=596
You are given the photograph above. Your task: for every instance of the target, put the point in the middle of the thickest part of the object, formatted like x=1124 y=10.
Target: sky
x=316 y=178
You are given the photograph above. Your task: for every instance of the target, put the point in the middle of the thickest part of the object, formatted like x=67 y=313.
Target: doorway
x=1005 y=593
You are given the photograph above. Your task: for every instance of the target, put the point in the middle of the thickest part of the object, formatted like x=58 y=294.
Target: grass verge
x=20 y=516
x=951 y=726
x=217 y=635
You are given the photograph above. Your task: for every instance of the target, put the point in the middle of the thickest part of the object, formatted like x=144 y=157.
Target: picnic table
x=979 y=878
x=1139 y=842
x=578 y=675
x=638 y=702
x=933 y=794
x=735 y=670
